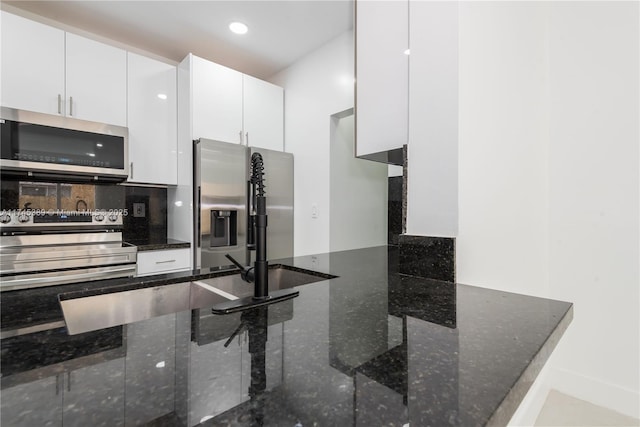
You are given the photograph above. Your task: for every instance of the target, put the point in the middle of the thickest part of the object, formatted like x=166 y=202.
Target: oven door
x=61 y=277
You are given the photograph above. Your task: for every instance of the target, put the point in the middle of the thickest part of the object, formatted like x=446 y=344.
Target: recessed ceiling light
x=407 y=52
x=238 y=28
x=162 y=96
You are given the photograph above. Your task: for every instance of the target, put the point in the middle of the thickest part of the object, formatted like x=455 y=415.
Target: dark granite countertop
x=370 y=347
x=158 y=244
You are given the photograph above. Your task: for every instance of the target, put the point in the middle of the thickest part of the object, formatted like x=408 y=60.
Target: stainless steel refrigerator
x=221 y=196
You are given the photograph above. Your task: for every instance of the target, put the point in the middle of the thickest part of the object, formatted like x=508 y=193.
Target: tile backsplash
x=146 y=213
x=146 y=207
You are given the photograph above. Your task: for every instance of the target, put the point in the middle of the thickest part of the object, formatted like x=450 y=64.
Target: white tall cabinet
x=412 y=98
x=152 y=120
x=47 y=70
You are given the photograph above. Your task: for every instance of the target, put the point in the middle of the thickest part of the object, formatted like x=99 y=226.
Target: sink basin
x=280 y=277
x=91 y=313
x=102 y=311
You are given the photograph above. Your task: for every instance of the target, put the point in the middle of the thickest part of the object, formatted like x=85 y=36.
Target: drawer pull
x=165 y=262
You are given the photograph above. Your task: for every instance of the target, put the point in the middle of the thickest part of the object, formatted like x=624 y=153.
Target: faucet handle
x=245 y=272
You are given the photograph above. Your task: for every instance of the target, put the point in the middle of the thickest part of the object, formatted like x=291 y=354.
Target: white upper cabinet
x=96 y=81
x=32 y=65
x=229 y=106
x=216 y=101
x=49 y=71
x=382 y=75
x=263 y=108
x=152 y=121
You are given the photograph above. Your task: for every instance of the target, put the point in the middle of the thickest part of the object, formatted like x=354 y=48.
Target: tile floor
x=562 y=410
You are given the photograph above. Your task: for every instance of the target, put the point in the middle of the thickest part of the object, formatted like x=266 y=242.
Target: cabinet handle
x=59 y=104
x=247 y=139
x=131 y=168
x=241 y=140
x=69 y=381
x=57 y=384
x=71 y=105
x=165 y=262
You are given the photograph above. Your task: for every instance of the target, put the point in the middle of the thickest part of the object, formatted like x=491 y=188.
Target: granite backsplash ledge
x=427 y=257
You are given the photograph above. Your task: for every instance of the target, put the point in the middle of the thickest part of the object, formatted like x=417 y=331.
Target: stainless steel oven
x=40 y=146
x=45 y=248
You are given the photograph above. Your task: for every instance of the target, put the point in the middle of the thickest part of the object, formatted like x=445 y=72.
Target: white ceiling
x=280 y=32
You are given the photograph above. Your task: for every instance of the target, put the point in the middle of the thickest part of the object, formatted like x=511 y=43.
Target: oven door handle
x=71 y=278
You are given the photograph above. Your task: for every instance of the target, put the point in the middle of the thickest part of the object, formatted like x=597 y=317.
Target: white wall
x=593 y=198
x=315 y=87
x=503 y=146
x=358 y=193
x=548 y=177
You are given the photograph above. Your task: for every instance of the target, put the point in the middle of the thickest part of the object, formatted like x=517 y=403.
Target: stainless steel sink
x=91 y=313
x=102 y=311
x=280 y=277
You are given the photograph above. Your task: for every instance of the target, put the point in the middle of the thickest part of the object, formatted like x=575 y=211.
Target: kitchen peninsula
x=369 y=347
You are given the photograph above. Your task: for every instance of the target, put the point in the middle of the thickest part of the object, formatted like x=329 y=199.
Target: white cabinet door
x=163 y=261
x=96 y=81
x=152 y=120
x=382 y=88
x=216 y=101
x=263 y=114
x=32 y=65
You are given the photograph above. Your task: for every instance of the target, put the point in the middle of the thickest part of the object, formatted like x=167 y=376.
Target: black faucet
x=256 y=240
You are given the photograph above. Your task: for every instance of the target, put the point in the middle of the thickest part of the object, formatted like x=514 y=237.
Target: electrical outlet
x=139 y=210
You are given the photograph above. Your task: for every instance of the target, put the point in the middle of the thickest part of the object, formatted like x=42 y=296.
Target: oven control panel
x=34 y=218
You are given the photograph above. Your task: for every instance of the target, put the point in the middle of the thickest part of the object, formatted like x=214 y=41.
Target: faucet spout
x=261 y=266
x=259 y=273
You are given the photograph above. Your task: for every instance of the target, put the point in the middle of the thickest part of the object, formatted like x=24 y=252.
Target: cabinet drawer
x=163 y=261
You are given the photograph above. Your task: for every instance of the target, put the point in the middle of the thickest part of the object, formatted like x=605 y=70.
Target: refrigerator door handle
x=198 y=223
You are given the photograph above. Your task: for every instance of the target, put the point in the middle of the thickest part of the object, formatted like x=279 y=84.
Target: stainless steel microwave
x=38 y=145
